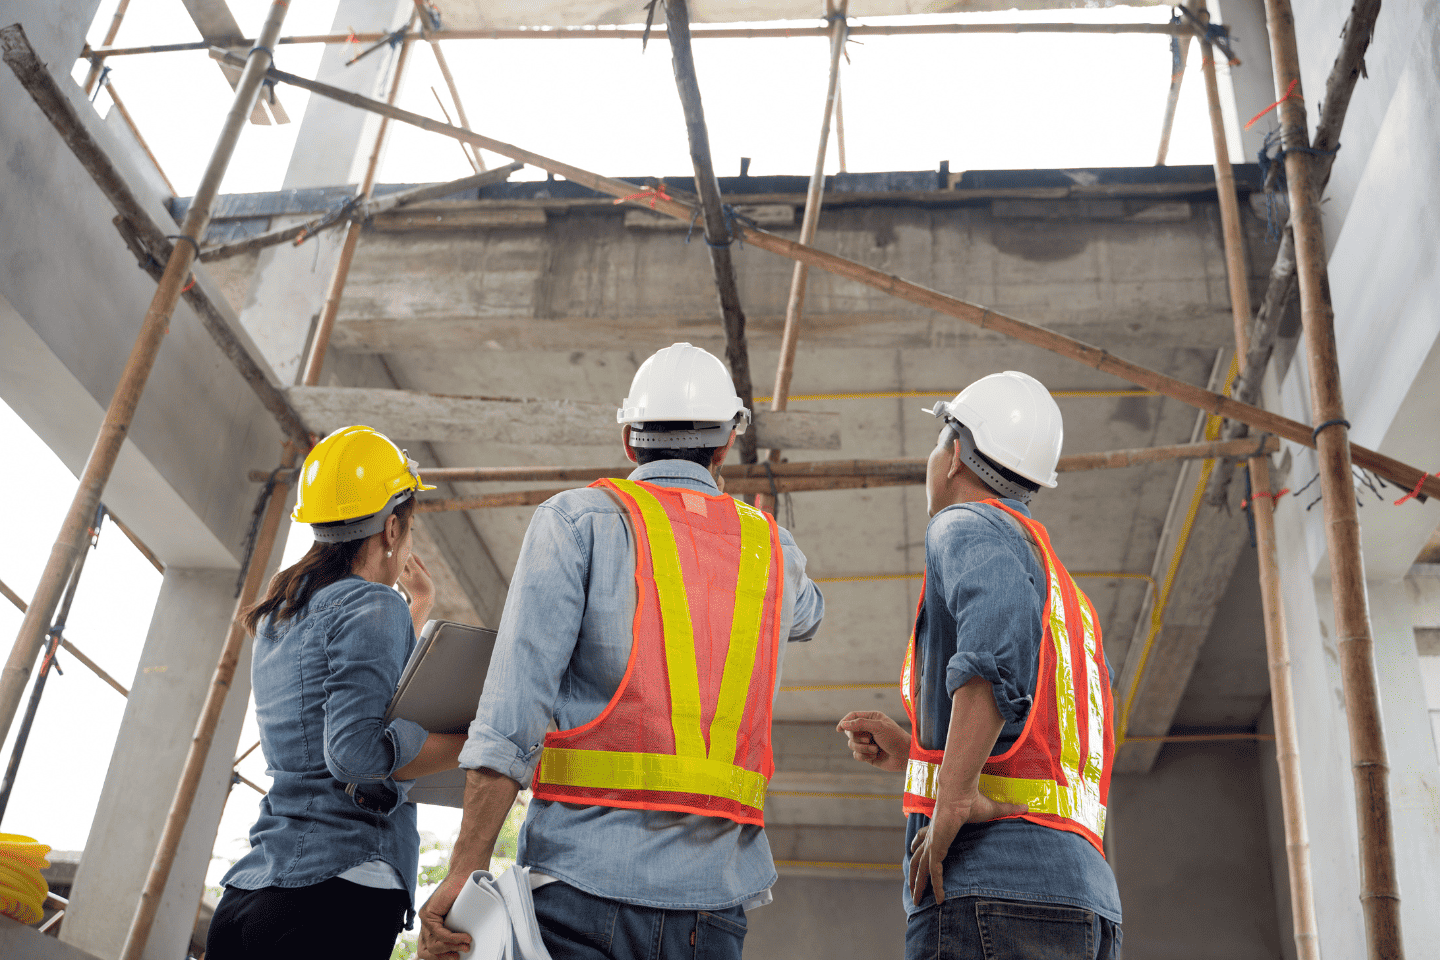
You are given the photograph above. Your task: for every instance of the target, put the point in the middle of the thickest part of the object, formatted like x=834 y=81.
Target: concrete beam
x=449 y=419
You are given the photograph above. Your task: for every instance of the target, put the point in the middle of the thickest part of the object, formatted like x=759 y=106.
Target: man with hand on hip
x=1007 y=762
x=648 y=617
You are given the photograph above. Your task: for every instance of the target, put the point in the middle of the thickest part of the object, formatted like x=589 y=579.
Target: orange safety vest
x=1060 y=765
x=689 y=727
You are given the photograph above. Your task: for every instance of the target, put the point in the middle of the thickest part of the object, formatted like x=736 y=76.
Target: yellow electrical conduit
x=1157 y=615
x=908 y=394
x=22 y=888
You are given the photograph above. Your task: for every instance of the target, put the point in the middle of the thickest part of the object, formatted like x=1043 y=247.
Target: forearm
x=488 y=798
x=420 y=612
x=975 y=725
x=441 y=752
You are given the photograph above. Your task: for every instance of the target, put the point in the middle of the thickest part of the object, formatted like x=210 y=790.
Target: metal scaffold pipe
x=126 y=399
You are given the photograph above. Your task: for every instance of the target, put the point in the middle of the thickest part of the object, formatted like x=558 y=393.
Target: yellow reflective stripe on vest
x=1065 y=709
x=1095 y=758
x=1079 y=802
x=750 y=589
x=675 y=623
x=604 y=770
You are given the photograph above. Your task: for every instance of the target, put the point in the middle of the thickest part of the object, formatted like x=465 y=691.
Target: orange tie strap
x=649 y=193
x=1414 y=494
x=1274 y=497
x=1288 y=92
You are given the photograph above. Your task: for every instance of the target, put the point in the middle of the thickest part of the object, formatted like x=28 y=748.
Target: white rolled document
x=499 y=915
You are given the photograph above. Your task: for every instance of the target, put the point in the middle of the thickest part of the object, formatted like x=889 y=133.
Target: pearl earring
x=388 y=552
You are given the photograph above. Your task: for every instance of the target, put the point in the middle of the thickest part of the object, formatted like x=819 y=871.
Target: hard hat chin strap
x=993 y=479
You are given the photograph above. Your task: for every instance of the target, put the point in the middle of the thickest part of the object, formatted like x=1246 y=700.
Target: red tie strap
x=1416 y=492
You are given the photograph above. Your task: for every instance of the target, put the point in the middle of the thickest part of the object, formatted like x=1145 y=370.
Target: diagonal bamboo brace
x=1403 y=474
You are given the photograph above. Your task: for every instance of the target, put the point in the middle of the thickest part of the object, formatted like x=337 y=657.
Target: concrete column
x=186 y=631
x=1414 y=774
x=332 y=149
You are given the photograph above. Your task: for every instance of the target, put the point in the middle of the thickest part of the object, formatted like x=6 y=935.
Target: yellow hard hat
x=351 y=482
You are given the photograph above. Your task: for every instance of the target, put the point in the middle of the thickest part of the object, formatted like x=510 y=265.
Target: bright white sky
x=991 y=102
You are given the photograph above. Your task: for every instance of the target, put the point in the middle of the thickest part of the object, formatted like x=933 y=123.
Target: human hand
x=932 y=842
x=875 y=739
x=437 y=941
x=415 y=578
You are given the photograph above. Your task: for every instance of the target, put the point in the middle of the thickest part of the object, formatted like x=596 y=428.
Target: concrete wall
x=816 y=919
x=1190 y=851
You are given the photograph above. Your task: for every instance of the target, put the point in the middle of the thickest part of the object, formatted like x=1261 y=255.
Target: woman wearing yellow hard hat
x=334 y=854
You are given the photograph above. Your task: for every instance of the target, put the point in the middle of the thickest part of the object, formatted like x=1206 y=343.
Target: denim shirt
x=984 y=599
x=563 y=645
x=323 y=680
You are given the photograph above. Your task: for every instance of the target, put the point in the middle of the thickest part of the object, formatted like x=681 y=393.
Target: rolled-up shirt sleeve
x=366 y=648
x=537 y=635
x=982 y=574
x=809 y=602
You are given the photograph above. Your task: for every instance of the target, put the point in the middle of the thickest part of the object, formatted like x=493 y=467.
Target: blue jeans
x=975 y=928
x=578 y=926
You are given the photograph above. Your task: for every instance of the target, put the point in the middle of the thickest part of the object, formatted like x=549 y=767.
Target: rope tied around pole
x=1274 y=497
x=1289 y=92
x=103 y=79
x=261 y=500
x=189 y=240
x=1337 y=422
x=1215 y=34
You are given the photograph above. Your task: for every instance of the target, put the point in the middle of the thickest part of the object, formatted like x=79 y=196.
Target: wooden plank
x=409 y=415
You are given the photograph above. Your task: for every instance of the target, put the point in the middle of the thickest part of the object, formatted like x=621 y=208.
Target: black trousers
x=334 y=918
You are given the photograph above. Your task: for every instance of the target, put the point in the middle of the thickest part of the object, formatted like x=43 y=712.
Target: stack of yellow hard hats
x=22 y=888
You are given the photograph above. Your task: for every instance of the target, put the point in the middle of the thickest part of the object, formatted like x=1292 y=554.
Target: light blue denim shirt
x=564 y=641
x=984 y=598
x=322 y=682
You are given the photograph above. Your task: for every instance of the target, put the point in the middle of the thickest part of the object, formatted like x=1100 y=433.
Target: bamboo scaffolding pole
x=809 y=221
x=54 y=635
x=910 y=467
x=121 y=410
x=145 y=237
x=1380 y=888
x=1403 y=474
x=474 y=153
x=840 y=128
x=465 y=149
x=719 y=231
x=209 y=719
x=135 y=132
x=1349 y=66
x=97 y=64
x=325 y=326
x=1172 y=100
x=660 y=34
x=139 y=544
x=791 y=477
x=66 y=645
x=366 y=210
x=1277 y=644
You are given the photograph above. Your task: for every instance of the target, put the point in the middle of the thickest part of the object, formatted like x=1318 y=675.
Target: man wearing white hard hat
x=648 y=617
x=1007 y=762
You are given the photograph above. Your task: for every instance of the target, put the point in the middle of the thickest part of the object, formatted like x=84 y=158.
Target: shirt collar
x=676 y=473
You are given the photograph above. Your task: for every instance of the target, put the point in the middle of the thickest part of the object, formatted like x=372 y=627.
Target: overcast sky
x=990 y=102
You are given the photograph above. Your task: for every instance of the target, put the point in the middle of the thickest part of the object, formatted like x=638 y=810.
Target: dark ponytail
x=323 y=564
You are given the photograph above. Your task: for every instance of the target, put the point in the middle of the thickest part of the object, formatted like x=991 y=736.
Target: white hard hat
x=683 y=383
x=1014 y=421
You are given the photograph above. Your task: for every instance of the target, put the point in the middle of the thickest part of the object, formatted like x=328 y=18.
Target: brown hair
x=323 y=564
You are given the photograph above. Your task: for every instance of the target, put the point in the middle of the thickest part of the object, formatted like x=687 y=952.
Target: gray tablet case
x=439 y=690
